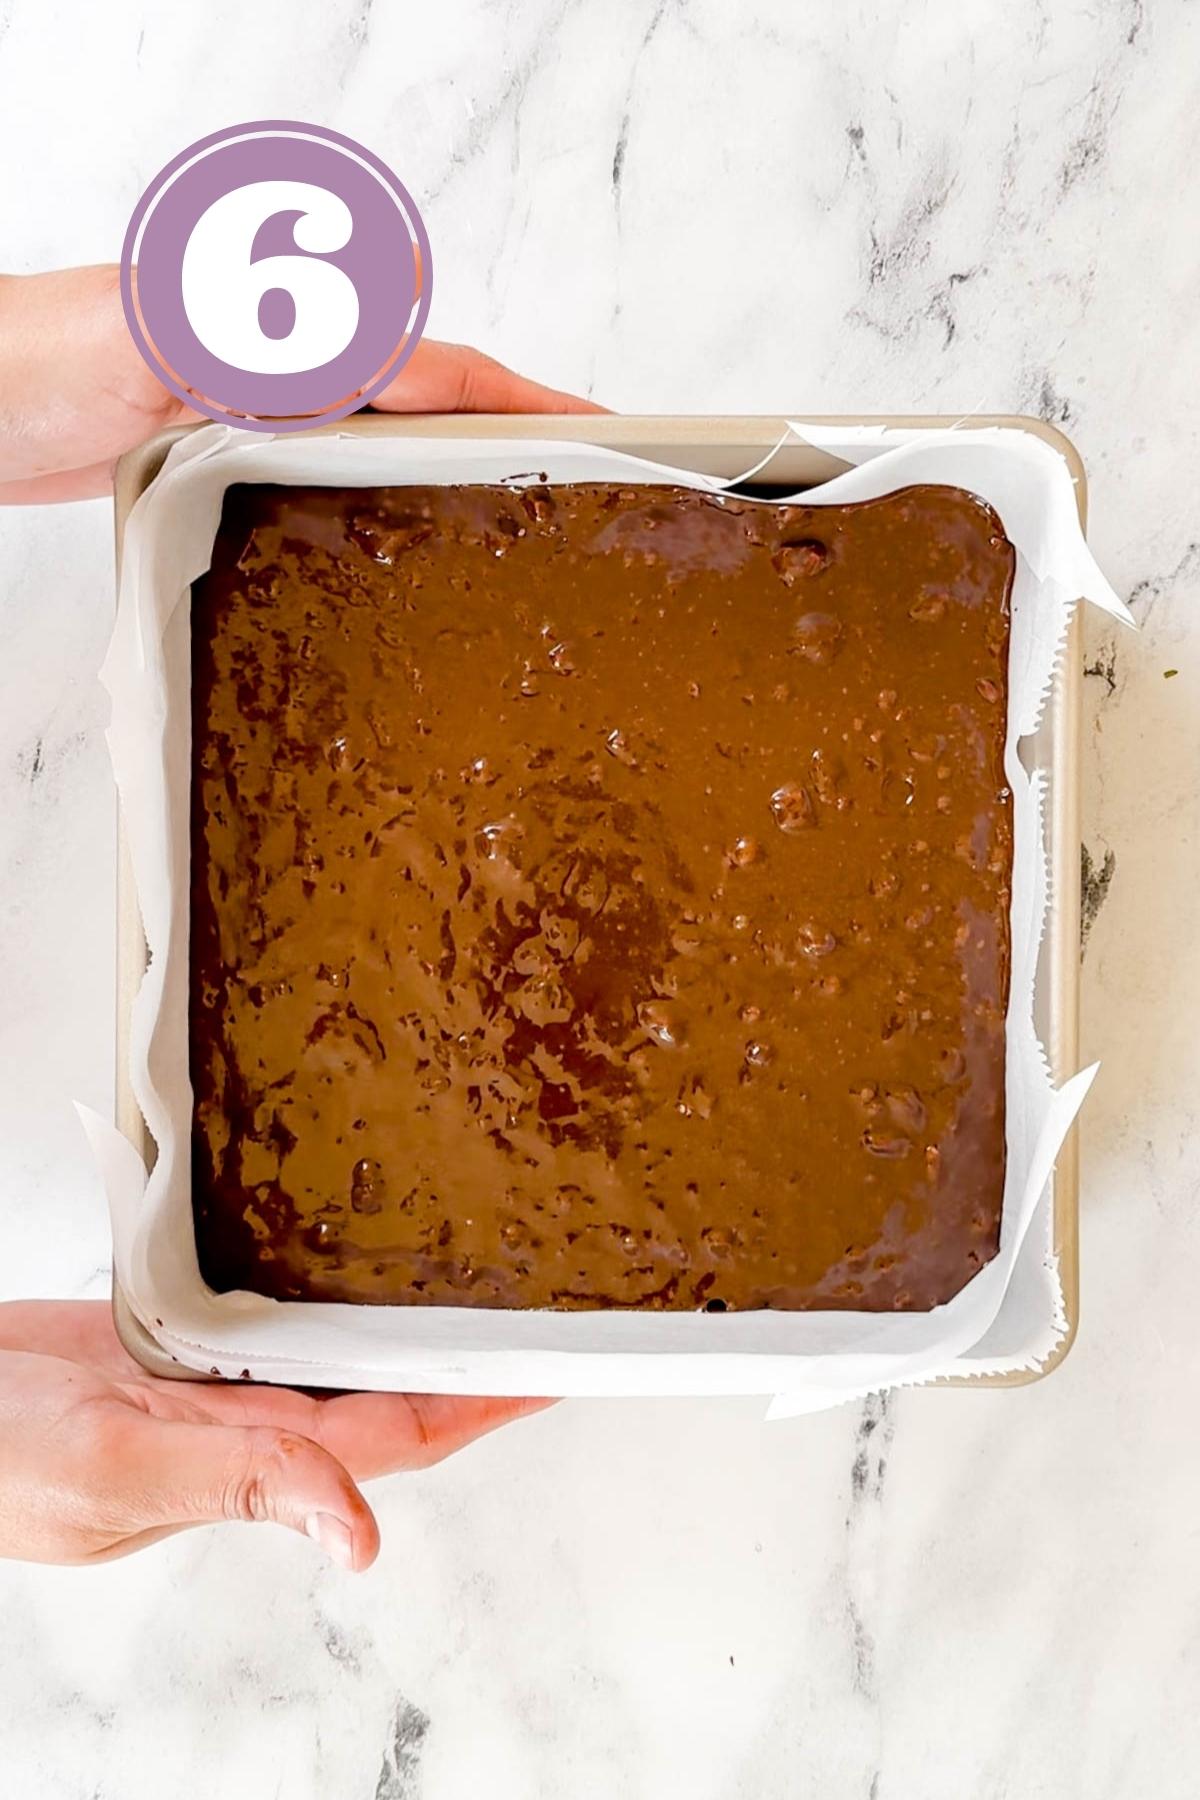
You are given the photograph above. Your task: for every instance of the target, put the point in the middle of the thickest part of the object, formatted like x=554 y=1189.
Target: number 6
x=223 y=290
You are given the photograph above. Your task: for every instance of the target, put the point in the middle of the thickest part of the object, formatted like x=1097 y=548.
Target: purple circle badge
x=283 y=275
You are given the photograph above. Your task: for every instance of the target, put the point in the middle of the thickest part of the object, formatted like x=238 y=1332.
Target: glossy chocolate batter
x=600 y=897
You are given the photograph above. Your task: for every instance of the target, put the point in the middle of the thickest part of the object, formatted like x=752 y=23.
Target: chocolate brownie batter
x=600 y=897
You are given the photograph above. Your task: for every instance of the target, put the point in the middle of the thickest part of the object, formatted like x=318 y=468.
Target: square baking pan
x=724 y=447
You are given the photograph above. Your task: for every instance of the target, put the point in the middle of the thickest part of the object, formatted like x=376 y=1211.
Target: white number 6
x=223 y=289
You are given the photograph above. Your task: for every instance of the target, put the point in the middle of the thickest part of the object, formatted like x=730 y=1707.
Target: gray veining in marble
x=679 y=205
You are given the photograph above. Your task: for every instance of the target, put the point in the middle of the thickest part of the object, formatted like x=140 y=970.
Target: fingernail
x=333 y=1536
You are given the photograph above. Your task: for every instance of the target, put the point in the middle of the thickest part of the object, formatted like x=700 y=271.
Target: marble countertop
x=678 y=205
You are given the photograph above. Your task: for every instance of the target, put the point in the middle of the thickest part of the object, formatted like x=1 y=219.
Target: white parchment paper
x=1009 y=1315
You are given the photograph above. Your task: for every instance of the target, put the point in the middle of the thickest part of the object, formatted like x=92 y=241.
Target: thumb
x=198 y=1474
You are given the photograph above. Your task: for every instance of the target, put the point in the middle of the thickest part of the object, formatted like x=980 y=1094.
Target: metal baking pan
x=723 y=446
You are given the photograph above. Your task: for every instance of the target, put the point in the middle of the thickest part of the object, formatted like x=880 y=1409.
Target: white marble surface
x=679 y=205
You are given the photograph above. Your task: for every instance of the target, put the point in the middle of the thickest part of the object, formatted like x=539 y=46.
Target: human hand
x=75 y=393
x=97 y=1458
